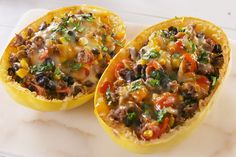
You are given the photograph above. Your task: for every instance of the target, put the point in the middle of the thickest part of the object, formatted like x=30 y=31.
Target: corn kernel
x=22 y=72
x=172 y=121
x=24 y=64
x=148 y=133
x=175 y=63
x=83 y=41
x=142 y=62
x=62 y=40
x=100 y=57
x=162 y=61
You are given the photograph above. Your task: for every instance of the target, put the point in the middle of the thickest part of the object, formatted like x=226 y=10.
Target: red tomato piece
x=104 y=87
x=190 y=64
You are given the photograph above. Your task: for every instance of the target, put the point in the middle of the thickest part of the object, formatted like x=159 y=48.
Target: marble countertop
x=76 y=133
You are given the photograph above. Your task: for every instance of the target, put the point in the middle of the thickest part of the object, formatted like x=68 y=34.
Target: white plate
x=76 y=133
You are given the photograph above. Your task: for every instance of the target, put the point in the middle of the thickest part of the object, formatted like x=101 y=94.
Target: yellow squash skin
x=31 y=99
x=119 y=133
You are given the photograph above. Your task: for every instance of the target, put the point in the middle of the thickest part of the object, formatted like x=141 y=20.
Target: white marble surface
x=76 y=133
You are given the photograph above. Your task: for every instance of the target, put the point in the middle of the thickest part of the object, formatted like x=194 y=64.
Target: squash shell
x=31 y=99
x=120 y=134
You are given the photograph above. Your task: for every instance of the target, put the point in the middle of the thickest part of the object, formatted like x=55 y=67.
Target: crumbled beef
x=173 y=86
x=188 y=90
x=19 y=40
x=205 y=69
x=119 y=114
x=128 y=75
x=30 y=32
x=39 y=41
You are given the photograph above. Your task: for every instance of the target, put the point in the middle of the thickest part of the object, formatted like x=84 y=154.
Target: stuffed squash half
x=162 y=83
x=55 y=62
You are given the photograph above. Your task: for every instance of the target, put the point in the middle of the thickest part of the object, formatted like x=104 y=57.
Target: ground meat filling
x=159 y=86
x=66 y=57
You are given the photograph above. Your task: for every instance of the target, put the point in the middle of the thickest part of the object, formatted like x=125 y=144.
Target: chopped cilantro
x=132 y=116
x=43 y=67
x=151 y=54
x=214 y=79
x=153 y=82
x=104 y=48
x=57 y=71
x=88 y=17
x=203 y=57
x=176 y=55
x=156 y=74
x=193 y=46
x=136 y=85
x=108 y=96
x=76 y=66
x=161 y=115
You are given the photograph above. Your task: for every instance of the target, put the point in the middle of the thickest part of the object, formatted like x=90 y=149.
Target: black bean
x=31 y=88
x=143 y=72
x=128 y=75
x=70 y=33
x=51 y=85
x=138 y=70
x=43 y=81
x=69 y=80
x=43 y=26
x=173 y=30
x=98 y=75
x=217 y=48
x=11 y=71
x=16 y=66
x=77 y=90
x=112 y=53
x=95 y=51
x=88 y=83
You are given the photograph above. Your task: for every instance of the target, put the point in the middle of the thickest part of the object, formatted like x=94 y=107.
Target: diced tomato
x=156 y=130
x=190 y=64
x=153 y=65
x=176 y=47
x=166 y=100
x=118 y=68
x=179 y=44
x=104 y=87
x=203 y=82
x=164 y=126
x=64 y=90
x=119 y=35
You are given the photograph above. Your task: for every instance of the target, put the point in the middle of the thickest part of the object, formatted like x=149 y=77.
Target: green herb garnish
x=132 y=116
x=161 y=115
x=43 y=67
x=151 y=54
x=203 y=57
x=193 y=46
x=104 y=48
x=136 y=85
x=214 y=79
x=76 y=66
x=153 y=82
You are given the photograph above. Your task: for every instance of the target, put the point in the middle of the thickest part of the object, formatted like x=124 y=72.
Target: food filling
x=67 y=56
x=162 y=84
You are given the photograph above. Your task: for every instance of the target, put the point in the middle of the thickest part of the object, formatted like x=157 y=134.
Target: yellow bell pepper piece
x=22 y=72
x=24 y=64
